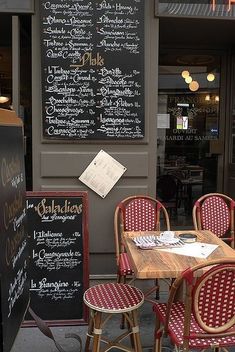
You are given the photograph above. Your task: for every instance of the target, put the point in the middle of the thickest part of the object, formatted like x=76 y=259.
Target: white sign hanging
x=102 y=173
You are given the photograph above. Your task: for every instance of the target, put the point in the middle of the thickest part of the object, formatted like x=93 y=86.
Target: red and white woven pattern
x=176 y=328
x=124 y=265
x=215 y=215
x=140 y=215
x=113 y=298
x=216 y=299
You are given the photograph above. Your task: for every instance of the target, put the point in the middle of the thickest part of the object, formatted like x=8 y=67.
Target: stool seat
x=113 y=298
x=108 y=299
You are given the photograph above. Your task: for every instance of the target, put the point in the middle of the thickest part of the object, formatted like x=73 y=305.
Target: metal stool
x=113 y=298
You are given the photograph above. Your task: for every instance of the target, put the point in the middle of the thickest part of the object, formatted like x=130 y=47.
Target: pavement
x=31 y=339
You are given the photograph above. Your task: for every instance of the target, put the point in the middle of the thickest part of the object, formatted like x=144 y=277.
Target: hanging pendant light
x=188 y=79
x=184 y=73
x=210 y=77
x=3 y=98
x=194 y=86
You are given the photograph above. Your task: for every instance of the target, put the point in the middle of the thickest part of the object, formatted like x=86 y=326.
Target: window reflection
x=188 y=122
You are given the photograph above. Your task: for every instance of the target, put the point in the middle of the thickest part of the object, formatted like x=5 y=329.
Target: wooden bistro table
x=157 y=264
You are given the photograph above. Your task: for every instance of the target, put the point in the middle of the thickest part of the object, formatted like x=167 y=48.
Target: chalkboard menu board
x=58 y=245
x=93 y=69
x=14 y=283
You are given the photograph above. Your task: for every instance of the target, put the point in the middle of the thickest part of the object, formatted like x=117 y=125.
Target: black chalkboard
x=14 y=258
x=58 y=246
x=92 y=69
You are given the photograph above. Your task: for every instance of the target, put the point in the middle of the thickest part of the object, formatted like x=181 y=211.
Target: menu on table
x=92 y=69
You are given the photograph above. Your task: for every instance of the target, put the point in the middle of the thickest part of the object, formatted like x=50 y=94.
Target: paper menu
x=102 y=173
x=196 y=249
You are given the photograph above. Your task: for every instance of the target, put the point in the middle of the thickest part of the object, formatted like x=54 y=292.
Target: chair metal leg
x=121 y=280
x=157 y=337
x=136 y=332
x=89 y=331
x=97 y=331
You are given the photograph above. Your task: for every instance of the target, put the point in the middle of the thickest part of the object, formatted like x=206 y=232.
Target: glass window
x=188 y=123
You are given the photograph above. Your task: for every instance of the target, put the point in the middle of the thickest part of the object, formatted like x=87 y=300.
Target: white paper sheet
x=102 y=173
x=163 y=120
x=197 y=249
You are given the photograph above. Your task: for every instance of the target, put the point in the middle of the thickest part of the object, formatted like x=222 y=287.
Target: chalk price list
x=14 y=213
x=56 y=250
x=92 y=61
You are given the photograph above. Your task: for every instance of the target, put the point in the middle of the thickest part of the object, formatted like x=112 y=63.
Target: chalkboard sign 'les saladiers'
x=58 y=245
x=93 y=69
x=14 y=282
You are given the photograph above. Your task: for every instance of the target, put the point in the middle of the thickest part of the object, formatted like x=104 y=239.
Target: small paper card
x=102 y=173
x=197 y=249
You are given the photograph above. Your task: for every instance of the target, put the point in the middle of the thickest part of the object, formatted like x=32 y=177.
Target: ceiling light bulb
x=216 y=98
x=188 y=79
x=210 y=77
x=193 y=86
x=207 y=97
x=185 y=74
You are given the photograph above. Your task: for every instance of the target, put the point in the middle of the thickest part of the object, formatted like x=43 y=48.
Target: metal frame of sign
x=85 y=255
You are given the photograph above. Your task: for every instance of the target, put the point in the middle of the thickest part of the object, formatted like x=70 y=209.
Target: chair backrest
x=138 y=213
x=215 y=212
x=209 y=298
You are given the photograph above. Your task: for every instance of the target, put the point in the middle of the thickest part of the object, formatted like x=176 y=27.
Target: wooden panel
x=57 y=165
x=72 y=164
x=16 y=6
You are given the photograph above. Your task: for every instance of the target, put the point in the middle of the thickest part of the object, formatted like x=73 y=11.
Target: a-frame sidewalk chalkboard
x=58 y=246
x=14 y=282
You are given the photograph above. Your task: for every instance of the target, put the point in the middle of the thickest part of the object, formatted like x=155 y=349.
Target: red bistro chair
x=206 y=316
x=215 y=212
x=135 y=213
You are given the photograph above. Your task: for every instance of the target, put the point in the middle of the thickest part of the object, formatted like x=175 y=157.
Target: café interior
x=188 y=129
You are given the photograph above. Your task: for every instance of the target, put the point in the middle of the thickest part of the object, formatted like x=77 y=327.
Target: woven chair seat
x=124 y=265
x=113 y=298
x=176 y=325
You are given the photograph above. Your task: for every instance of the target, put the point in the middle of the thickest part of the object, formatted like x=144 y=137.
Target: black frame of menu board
x=58 y=245
x=93 y=70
